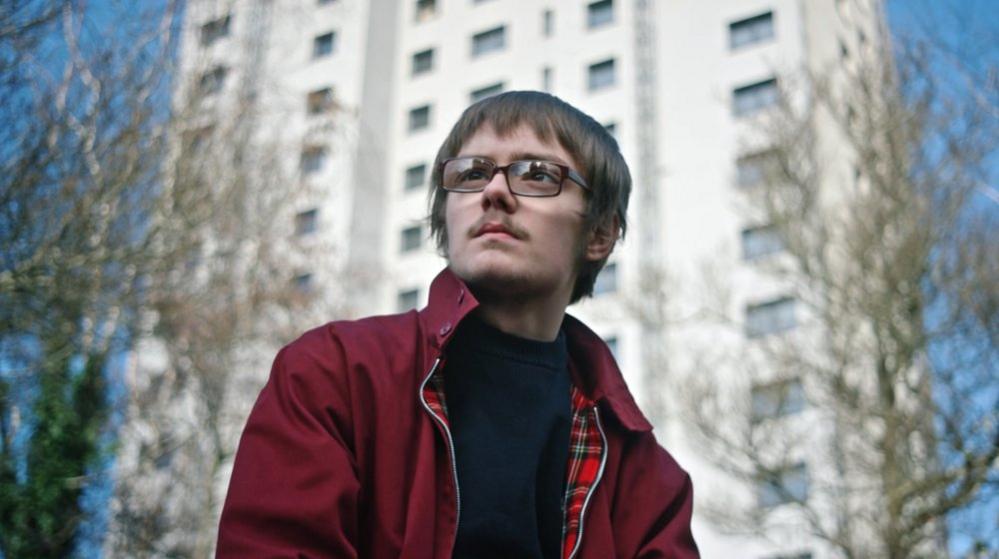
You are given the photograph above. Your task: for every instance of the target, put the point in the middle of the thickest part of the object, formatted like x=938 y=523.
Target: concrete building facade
x=367 y=90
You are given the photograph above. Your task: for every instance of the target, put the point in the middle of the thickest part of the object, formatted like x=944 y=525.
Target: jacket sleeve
x=656 y=499
x=294 y=487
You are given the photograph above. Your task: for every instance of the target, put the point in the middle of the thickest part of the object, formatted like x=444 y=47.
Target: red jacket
x=347 y=451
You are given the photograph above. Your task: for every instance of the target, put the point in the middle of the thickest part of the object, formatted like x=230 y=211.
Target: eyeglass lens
x=531 y=178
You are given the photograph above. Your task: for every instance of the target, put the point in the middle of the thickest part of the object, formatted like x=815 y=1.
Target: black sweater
x=509 y=410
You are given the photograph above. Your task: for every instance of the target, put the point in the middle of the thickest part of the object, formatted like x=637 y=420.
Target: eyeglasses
x=524 y=178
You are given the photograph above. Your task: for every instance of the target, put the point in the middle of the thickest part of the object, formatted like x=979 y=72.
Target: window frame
x=485 y=42
x=303 y=283
x=402 y=298
x=755 y=97
x=599 y=71
x=307 y=222
x=602 y=18
x=410 y=239
x=783 y=318
x=773 y=493
x=413 y=124
x=407 y=183
x=417 y=67
x=752 y=30
x=548 y=22
x=760 y=241
x=318 y=42
x=481 y=93
x=752 y=169
x=215 y=30
x=313 y=159
x=212 y=82
x=320 y=101
x=424 y=10
x=777 y=399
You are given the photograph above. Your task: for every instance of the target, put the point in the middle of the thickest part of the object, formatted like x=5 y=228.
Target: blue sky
x=968 y=32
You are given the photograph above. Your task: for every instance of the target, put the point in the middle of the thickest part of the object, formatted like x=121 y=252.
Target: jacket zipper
x=593 y=488
x=450 y=447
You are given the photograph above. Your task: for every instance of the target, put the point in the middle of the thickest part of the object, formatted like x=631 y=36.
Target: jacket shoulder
x=338 y=334
x=371 y=343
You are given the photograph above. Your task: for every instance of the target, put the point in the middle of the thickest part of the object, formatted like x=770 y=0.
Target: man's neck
x=528 y=318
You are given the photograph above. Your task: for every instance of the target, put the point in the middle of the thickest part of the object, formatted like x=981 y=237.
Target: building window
x=306 y=222
x=419 y=118
x=411 y=238
x=600 y=75
x=488 y=91
x=407 y=299
x=423 y=62
x=425 y=9
x=606 y=280
x=784 y=486
x=313 y=159
x=760 y=241
x=546 y=78
x=323 y=45
x=599 y=13
x=303 y=283
x=416 y=176
x=212 y=81
x=753 y=169
x=215 y=30
x=770 y=317
x=777 y=399
x=751 y=98
x=489 y=41
x=611 y=128
x=198 y=139
x=548 y=23
x=749 y=31
x=319 y=101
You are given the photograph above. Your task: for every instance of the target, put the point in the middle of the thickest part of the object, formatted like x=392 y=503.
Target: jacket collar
x=599 y=377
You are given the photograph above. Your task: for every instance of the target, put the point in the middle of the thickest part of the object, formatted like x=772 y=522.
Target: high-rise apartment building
x=366 y=90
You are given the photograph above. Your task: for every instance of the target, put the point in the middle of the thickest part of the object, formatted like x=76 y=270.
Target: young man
x=490 y=423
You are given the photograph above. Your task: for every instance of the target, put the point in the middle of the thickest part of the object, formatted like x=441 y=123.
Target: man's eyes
x=473 y=175
x=538 y=172
x=540 y=176
x=533 y=173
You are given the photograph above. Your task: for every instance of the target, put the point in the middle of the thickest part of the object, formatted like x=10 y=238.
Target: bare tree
x=215 y=319
x=79 y=163
x=873 y=422
x=132 y=224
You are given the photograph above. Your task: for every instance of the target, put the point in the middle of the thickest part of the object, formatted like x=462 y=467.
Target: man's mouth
x=497 y=229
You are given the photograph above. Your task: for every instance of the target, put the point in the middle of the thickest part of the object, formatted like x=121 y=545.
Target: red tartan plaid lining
x=586 y=449
x=433 y=395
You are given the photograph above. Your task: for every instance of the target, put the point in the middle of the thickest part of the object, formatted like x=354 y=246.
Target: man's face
x=515 y=245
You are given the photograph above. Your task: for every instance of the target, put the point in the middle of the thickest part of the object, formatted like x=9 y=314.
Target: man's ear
x=602 y=240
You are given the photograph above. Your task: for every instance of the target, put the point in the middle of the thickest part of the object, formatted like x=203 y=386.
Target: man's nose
x=497 y=193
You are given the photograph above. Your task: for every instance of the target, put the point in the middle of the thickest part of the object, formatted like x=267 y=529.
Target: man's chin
x=494 y=281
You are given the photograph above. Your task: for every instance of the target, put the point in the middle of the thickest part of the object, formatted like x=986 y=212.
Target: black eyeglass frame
x=567 y=173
